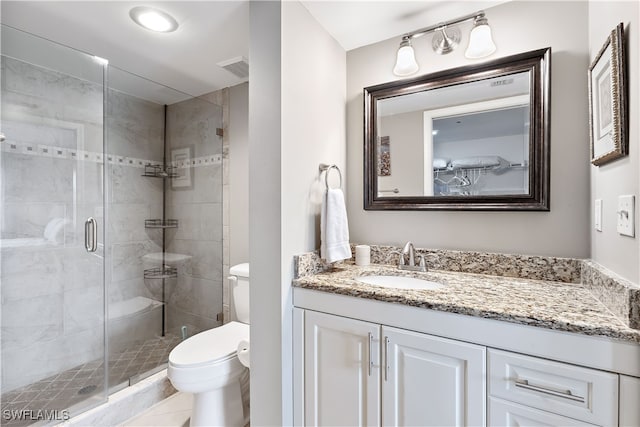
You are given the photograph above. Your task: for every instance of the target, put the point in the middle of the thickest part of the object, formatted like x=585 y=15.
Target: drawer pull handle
x=565 y=394
x=386 y=358
x=370 y=350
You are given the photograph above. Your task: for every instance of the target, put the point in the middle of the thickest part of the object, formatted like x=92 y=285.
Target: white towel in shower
x=476 y=162
x=334 y=227
x=440 y=163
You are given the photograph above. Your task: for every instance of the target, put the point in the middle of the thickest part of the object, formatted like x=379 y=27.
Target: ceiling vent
x=238 y=66
x=503 y=82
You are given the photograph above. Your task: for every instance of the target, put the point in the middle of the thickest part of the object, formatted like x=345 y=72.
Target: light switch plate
x=598 y=215
x=626 y=215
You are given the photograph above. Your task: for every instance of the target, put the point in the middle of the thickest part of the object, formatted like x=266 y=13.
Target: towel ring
x=326 y=169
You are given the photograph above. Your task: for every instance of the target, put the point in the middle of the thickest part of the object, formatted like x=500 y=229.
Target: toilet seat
x=207 y=366
x=209 y=347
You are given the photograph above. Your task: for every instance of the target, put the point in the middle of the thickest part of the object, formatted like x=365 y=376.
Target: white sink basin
x=399 y=282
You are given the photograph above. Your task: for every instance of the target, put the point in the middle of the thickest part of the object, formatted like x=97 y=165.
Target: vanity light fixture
x=480 y=41
x=406 y=59
x=445 y=40
x=153 y=19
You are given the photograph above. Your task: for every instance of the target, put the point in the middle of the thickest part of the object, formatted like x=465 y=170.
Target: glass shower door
x=164 y=252
x=51 y=230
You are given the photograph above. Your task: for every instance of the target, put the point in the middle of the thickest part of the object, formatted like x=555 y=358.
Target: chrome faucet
x=410 y=250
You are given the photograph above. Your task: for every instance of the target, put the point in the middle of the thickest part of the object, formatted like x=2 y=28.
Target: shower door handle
x=91 y=235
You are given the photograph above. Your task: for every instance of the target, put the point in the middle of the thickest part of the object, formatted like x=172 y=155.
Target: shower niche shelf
x=160 y=223
x=159 y=171
x=165 y=272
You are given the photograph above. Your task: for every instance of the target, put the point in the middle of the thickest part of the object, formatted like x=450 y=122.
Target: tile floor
x=70 y=387
x=175 y=411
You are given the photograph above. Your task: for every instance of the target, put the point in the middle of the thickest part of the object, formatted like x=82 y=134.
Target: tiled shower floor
x=70 y=387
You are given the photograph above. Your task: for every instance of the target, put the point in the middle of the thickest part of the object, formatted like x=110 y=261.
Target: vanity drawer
x=509 y=414
x=584 y=394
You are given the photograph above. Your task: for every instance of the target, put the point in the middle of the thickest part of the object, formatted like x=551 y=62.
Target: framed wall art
x=181 y=161
x=608 y=101
x=384 y=156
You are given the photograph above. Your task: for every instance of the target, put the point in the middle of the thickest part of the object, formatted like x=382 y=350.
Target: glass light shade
x=406 y=61
x=153 y=19
x=480 y=42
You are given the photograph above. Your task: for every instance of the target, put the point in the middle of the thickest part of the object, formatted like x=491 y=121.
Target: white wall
x=297 y=120
x=517 y=27
x=265 y=222
x=616 y=252
x=313 y=121
x=239 y=174
x=406 y=146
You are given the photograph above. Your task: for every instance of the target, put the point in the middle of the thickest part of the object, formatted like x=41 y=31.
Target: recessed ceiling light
x=153 y=19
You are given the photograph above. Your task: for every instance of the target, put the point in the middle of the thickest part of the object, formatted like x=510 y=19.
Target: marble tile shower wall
x=52 y=296
x=197 y=205
x=135 y=129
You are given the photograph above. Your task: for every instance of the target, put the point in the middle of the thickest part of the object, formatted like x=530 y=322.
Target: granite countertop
x=554 y=305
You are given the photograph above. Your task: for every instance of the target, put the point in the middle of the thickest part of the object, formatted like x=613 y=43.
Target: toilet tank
x=239 y=288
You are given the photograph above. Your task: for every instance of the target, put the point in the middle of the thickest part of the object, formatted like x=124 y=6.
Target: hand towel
x=334 y=227
x=440 y=163
x=476 y=162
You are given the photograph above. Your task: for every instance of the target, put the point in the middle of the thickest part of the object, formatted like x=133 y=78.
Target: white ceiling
x=359 y=23
x=460 y=94
x=209 y=32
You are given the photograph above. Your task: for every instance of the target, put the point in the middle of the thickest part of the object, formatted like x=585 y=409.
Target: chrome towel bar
x=326 y=169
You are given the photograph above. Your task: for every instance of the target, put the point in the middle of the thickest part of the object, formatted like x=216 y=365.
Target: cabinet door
x=341 y=369
x=629 y=399
x=431 y=381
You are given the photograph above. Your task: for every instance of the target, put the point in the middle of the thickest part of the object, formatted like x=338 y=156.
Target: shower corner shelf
x=159 y=171
x=160 y=223
x=165 y=272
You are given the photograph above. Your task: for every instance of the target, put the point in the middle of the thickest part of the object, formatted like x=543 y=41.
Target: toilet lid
x=209 y=346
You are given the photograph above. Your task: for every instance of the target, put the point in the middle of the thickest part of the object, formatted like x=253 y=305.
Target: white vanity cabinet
x=431 y=381
x=341 y=371
x=602 y=393
x=510 y=414
x=359 y=361
x=358 y=373
x=561 y=390
x=629 y=401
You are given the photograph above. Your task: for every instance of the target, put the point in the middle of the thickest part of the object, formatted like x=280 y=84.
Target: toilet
x=207 y=365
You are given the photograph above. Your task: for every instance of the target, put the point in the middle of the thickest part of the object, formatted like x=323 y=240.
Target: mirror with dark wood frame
x=468 y=138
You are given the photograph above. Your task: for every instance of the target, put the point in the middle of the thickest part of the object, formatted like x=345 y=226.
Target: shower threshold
x=69 y=388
